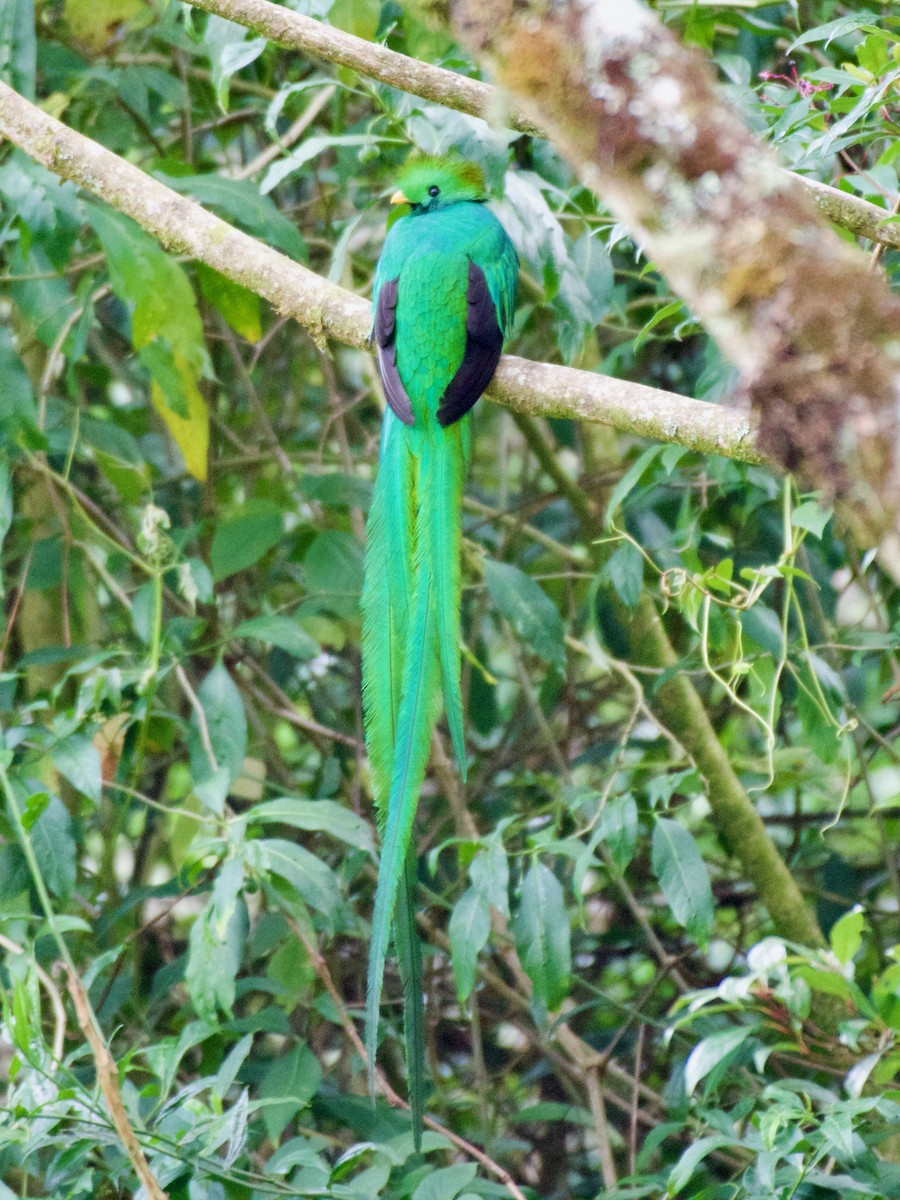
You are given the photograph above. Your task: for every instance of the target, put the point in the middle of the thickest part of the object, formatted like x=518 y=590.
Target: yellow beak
x=399 y=198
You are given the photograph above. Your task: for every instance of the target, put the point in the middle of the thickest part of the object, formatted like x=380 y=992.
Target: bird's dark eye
x=434 y=190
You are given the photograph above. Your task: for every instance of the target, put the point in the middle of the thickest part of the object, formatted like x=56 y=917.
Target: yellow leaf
x=96 y=22
x=190 y=433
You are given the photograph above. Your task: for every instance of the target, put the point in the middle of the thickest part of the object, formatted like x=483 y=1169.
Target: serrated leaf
x=617 y=828
x=489 y=873
x=469 y=929
x=532 y=614
x=683 y=877
x=541 y=928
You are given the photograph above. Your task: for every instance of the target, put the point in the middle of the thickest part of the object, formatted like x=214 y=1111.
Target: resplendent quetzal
x=443 y=299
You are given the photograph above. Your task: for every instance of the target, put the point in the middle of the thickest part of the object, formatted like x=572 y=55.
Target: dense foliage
x=186 y=822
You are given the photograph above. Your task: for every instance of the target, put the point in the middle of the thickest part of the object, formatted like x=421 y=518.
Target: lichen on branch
x=814 y=331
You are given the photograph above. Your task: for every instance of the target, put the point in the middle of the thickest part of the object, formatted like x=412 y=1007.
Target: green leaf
x=333 y=566
x=833 y=29
x=830 y=982
x=13 y=873
x=307 y=150
x=238 y=305
x=280 y=631
x=489 y=872
x=316 y=816
x=226 y=731
x=469 y=929
x=315 y=882
x=158 y=357
x=78 y=759
x=54 y=848
x=692 y=1158
x=242 y=540
x=215 y=944
x=240 y=199
x=541 y=928
x=617 y=828
x=532 y=614
x=164 y=315
x=708 y=1053
x=288 y=1086
x=229 y=51
x=845 y=937
x=18 y=46
x=630 y=480
x=811 y=516
x=683 y=878
x=446 y=1182
x=625 y=571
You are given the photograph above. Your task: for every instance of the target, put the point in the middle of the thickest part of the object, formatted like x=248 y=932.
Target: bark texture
x=814 y=331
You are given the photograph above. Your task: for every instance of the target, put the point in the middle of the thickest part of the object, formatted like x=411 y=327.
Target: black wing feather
x=484 y=341
x=384 y=333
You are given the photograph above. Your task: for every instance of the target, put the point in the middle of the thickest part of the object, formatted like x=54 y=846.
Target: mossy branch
x=813 y=330
x=286 y=28
x=329 y=311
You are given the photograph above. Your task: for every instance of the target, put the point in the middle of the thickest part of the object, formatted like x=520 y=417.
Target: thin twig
x=108 y=1078
x=199 y=713
x=291 y=135
x=601 y=1128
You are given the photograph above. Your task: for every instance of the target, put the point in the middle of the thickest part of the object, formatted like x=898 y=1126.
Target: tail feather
x=386 y=600
x=421 y=681
x=411 y=600
x=443 y=525
x=409 y=959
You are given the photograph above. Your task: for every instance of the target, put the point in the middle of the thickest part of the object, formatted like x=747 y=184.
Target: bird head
x=427 y=183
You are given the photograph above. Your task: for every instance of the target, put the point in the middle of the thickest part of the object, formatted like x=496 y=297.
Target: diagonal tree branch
x=814 y=331
x=329 y=311
x=291 y=29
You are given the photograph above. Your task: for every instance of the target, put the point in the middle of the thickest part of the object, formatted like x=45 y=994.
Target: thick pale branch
x=291 y=29
x=814 y=331
x=330 y=311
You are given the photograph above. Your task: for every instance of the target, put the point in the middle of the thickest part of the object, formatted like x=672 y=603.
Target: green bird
x=443 y=298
